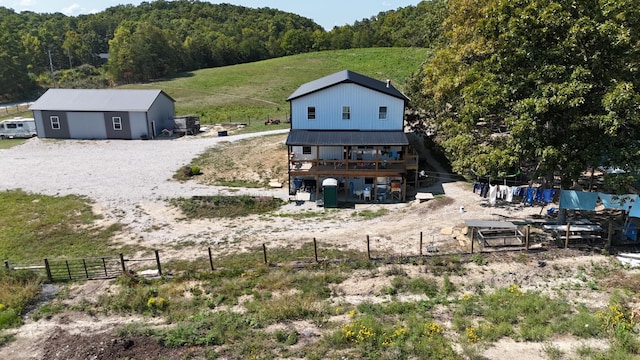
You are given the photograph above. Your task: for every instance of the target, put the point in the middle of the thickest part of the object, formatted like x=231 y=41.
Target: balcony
x=349 y=167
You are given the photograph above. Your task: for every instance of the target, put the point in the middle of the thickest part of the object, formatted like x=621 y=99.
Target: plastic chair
x=367 y=194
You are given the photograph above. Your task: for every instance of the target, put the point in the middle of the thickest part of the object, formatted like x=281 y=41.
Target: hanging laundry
x=510 y=192
x=547 y=195
x=502 y=192
x=485 y=190
x=523 y=192
x=530 y=196
x=493 y=193
x=578 y=200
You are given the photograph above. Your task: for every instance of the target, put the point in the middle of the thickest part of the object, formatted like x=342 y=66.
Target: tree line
x=162 y=38
x=544 y=86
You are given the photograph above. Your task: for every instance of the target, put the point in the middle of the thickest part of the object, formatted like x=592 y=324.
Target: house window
x=117 y=123
x=346 y=113
x=311 y=112
x=382 y=113
x=306 y=150
x=55 y=122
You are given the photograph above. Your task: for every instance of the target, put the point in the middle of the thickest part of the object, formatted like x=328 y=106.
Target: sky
x=326 y=13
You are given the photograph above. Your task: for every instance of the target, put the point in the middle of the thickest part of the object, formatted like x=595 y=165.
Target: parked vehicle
x=18 y=128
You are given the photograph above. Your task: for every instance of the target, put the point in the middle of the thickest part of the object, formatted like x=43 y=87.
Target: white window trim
x=348 y=112
x=380 y=113
x=55 y=122
x=117 y=120
x=309 y=114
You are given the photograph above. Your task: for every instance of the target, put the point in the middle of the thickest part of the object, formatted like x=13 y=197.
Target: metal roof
x=346 y=76
x=346 y=138
x=97 y=100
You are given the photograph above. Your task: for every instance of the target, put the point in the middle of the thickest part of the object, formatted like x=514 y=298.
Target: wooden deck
x=350 y=168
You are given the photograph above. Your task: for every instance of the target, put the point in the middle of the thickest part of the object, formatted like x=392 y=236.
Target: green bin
x=330 y=192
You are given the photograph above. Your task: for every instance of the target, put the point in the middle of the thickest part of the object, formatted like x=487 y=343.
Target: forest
x=163 y=38
x=543 y=87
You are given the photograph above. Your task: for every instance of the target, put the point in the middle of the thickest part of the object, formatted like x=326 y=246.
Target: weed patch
x=225 y=206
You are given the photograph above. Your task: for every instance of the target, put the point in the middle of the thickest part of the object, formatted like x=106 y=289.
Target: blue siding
x=364 y=104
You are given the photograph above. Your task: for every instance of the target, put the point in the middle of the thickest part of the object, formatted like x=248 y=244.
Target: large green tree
x=549 y=85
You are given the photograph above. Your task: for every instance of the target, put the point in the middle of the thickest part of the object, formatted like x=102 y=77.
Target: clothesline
x=569 y=199
x=529 y=195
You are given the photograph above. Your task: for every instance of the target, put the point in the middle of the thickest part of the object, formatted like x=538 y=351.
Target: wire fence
x=106 y=267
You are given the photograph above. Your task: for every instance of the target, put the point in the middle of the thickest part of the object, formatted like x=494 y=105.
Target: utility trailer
x=186 y=125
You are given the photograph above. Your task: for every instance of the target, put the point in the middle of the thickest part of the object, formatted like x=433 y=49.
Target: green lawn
x=9 y=143
x=251 y=93
x=34 y=227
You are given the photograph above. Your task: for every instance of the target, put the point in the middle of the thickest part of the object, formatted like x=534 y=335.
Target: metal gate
x=106 y=267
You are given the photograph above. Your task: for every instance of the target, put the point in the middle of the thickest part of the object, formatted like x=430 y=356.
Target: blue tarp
x=578 y=200
x=620 y=202
x=635 y=210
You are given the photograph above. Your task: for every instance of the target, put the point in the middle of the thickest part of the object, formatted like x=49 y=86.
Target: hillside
x=258 y=90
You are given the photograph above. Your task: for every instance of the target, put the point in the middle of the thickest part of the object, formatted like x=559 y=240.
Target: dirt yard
x=151 y=224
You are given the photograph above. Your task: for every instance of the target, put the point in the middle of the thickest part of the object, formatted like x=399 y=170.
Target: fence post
x=104 y=266
x=48 y=269
x=86 y=272
x=473 y=238
x=368 y=249
x=124 y=268
x=210 y=259
x=68 y=269
x=566 y=241
x=264 y=253
x=315 y=249
x=526 y=237
x=420 y=243
x=158 y=262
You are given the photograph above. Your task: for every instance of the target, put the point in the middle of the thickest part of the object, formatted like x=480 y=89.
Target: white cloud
x=72 y=10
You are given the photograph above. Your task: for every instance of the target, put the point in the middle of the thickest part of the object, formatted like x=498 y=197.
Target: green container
x=330 y=193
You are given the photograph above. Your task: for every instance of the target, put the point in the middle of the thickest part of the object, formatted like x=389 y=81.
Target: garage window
x=55 y=122
x=117 y=123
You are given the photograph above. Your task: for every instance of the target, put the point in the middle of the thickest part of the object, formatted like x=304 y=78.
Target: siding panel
x=364 y=104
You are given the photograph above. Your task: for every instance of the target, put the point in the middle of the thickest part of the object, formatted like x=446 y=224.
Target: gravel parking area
x=111 y=172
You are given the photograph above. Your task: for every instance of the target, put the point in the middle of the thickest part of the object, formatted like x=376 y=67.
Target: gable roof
x=345 y=77
x=97 y=100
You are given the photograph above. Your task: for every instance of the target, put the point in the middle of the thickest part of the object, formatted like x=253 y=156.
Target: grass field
x=251 y=93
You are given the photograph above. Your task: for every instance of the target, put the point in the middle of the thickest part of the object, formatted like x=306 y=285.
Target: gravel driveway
x=111 y=172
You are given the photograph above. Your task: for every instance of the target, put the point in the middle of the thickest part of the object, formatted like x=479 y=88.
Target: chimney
x=388 y=82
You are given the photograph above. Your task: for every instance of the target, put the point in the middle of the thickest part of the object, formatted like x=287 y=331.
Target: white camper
x=18 y=128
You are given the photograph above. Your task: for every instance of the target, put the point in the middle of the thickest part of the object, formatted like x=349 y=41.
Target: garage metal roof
x=97 y=100
x=346 y=138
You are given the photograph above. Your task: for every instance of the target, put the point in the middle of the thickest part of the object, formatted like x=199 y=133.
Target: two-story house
x=350 y=127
